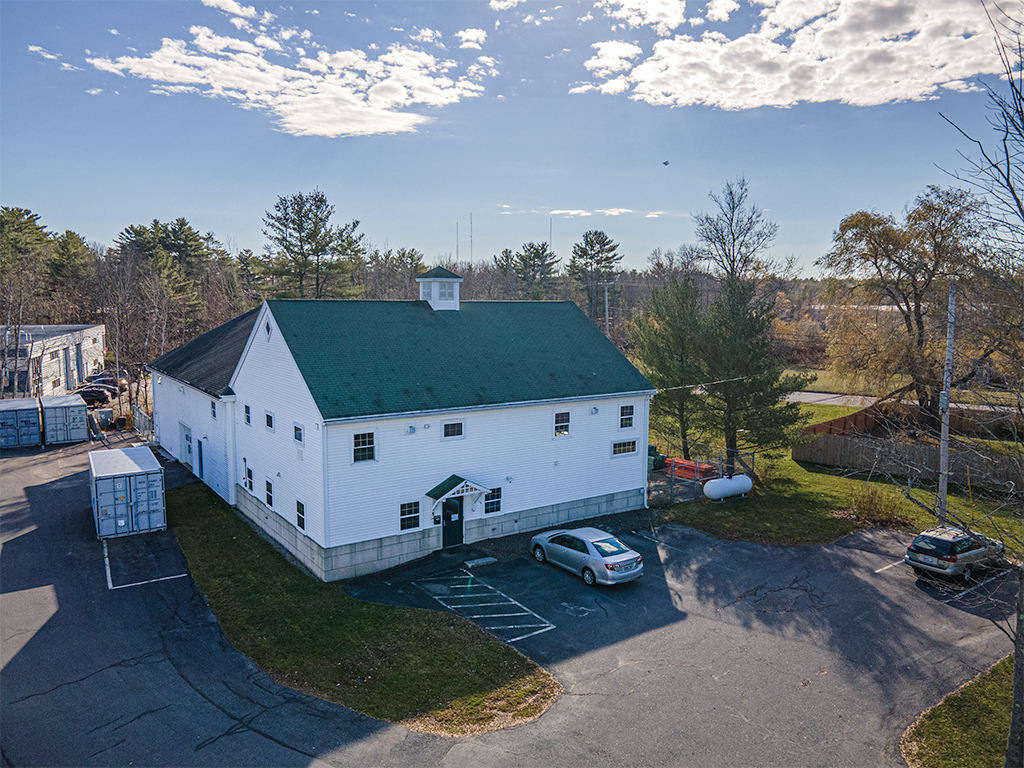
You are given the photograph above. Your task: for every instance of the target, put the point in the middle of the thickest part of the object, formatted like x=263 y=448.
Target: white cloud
x=662 y=15
x=719 y=10
x=344 y=93
x=426 y=36
x=861 y=52
x=94 y=91
x=614 y=211
x=263 y=41
x=230 y=6
x=655 y=214
x=504 y=5
x=113 y=32
x=570 y=212
x=43 y=52
x=612 y=56
x=471 y=38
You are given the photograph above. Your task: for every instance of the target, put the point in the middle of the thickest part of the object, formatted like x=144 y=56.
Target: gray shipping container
x=127 y=486
x=19 y=422
x=65 y=419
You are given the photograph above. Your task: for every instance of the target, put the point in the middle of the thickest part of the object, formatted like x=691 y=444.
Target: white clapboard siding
x=268 y=381
x=412 y=456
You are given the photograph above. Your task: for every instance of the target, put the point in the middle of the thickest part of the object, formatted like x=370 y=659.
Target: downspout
x=232 y=458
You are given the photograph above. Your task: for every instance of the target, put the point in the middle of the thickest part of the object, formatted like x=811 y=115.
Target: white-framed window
x=267 y=329
x=446 y=291
x=492 y=501
x=269 y=418
x=248 y=415
x=453 y=429
x=298 y=432
x=300 y=515
x=625 y=416
x=425 y=291
x=270 y=494
x=53 y=356
x=213 y=409
x=248 y=479
x=624 y=447
x=562 y=424
x=409 y=515
x=55 y=384
x=363 y=448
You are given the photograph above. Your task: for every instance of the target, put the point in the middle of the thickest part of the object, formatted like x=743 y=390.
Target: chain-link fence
x=677 y=473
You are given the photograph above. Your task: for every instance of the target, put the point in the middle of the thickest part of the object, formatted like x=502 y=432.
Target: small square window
x=300 y=515
x=409 y=516
x=625 y=417
x=626 y=446
x=248 y=415
x=561 y=424
x=362 y=447
x=270 y=494
x=453 y=429
x=297 y=432
x=492 y=501
x=270 y=420
x=55 y=384
x=446 y=291
x=213 y=409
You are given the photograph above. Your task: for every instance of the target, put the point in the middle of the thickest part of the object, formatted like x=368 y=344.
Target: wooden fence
x=920 y=462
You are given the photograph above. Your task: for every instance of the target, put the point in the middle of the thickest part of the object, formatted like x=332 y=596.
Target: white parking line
x=445 y=590
x=890 y=565
x=963 y=592
x=110 y=582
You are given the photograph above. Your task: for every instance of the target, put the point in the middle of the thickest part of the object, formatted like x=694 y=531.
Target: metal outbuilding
x=127 y=487
x=19 y=422
x=65 y=419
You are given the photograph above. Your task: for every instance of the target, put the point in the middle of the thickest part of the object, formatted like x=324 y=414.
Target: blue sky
x=528 y=117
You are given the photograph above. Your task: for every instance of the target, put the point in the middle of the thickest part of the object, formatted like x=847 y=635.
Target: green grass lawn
x=968 y=729
x=429 y=670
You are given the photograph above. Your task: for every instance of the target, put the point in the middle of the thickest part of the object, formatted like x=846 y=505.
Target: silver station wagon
x=952 y=552
x=597 y=556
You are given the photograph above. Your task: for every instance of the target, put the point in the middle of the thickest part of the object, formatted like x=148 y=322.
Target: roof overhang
x=455 y=486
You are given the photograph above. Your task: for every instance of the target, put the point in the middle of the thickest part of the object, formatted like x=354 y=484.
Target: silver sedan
x=597 y=556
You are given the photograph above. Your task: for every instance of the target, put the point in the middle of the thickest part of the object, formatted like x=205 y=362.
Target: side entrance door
x=451 y=522
x=185 y=445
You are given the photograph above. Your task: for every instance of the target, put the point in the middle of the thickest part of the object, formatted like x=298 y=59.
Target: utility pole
x=947 y=384
x=607 y=323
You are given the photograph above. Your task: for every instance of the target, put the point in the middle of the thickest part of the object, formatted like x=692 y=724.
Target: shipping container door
x=78 y=424
x=28 y=427
x=107 y=508
x=122 y=505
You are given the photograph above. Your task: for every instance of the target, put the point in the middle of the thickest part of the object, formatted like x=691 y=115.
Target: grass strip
x=968 y=728
x=429 y=670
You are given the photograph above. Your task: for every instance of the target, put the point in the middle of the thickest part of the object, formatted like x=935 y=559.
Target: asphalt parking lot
x=723 y=654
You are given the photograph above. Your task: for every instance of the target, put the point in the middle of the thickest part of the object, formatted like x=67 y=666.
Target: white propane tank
x=727 y=486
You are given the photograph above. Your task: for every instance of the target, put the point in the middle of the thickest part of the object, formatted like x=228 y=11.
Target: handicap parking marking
x=466 y=595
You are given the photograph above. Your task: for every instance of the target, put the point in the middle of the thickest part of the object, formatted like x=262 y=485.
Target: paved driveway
x=723 y=654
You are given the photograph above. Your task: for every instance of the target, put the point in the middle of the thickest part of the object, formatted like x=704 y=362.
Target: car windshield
x=609 y=547
x=930 y=544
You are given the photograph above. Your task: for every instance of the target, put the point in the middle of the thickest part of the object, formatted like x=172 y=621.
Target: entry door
x=185 y=445
x=451 y=522
x=199 y=458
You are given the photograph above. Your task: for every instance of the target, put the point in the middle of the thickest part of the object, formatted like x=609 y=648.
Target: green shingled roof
x=362 y=358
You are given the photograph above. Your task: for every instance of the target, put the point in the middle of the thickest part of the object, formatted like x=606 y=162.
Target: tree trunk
x=683 y=431
x=1015 y=742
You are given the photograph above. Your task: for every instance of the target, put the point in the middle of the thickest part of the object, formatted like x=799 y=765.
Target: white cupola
x=440 y=288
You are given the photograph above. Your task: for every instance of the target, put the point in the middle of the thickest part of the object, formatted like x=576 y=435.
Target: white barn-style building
x=363 y=434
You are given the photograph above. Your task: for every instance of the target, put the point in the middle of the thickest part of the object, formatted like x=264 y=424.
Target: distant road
x=830 y=398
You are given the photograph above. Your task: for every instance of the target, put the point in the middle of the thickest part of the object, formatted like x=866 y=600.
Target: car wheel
x=588 y=577
x=968 y=573
x=538 y=554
